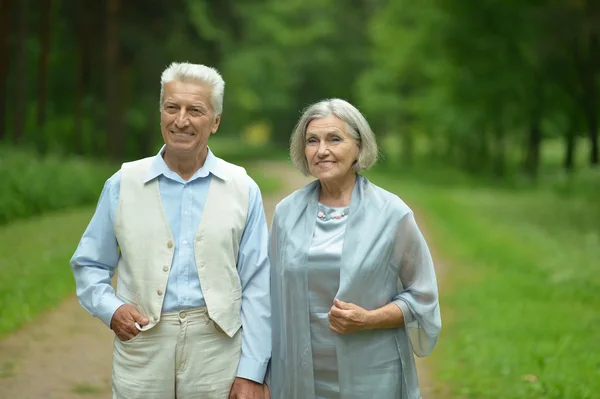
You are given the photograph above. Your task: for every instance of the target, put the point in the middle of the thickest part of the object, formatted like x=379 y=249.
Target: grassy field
x=520 y=294
x=34 y=264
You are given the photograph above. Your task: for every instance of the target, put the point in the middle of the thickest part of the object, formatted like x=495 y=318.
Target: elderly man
x=188 y=234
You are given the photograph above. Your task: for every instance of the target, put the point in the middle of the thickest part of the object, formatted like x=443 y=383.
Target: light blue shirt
x=95 y=260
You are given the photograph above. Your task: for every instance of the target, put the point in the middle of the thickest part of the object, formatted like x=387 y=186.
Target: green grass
x=7 y=369
x=520 y=298
x=34 y=266
x=86 y=389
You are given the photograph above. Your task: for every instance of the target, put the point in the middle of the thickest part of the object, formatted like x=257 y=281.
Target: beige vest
x=147 y=246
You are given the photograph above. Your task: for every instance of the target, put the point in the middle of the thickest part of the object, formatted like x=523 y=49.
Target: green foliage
x=519 y=289
x=33 y=184
x=478 y=81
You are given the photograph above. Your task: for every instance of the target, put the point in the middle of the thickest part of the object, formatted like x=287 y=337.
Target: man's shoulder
x=114 y=181
x=233 y=170
x=138 y=163
x=237 y=176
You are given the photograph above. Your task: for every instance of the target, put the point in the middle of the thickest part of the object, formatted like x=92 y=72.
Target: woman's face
x=330 y=151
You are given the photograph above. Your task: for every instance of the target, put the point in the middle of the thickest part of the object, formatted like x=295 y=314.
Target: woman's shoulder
x=386 y=199
x=297 y=197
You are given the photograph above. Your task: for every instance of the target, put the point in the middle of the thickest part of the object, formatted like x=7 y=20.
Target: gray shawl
x=384 y=259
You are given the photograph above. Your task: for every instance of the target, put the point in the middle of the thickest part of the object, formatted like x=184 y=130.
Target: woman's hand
x=347 y=318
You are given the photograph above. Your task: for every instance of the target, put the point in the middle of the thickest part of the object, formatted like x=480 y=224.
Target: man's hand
x=247 y=389
x=346 y=318
x=123 y=322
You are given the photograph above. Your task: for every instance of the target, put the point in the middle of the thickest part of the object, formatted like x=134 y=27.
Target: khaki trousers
x=185 y=356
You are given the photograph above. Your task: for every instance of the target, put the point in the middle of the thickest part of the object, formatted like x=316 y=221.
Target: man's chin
x=185 y=148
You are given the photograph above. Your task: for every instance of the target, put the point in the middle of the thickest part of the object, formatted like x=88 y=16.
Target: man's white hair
x=196 y=73
x=356 y=126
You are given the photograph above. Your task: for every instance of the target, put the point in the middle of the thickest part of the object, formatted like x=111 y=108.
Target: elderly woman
x=353 y=288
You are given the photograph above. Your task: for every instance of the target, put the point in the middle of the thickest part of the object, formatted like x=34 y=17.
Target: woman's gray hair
x=196 y=73
x=356 y=126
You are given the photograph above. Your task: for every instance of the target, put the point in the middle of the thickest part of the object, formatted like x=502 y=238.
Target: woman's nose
x=323 y=148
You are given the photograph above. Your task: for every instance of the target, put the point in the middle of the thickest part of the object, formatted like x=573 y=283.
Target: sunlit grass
x=34 y=266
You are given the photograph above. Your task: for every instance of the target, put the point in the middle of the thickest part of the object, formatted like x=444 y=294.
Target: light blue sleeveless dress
x=323 y=282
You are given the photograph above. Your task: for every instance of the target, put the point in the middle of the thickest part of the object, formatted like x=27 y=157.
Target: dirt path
x=66 y=354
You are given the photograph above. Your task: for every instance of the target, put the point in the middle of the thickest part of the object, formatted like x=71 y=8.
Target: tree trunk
x=480 y=156
x=83 y=73
x=408 y=146
x=570 y=147
x=125 y=84
x=115 y=140
x=45 y=34
x=592 y=98
x=79 y=96
x=5 y=20
x=20 y=75
x=592 y=121
x=534 y=138
x=499 y=165
x=534 y=141
x=587 y=67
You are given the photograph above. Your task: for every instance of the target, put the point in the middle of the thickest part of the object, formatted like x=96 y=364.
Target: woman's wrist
x=388 y=316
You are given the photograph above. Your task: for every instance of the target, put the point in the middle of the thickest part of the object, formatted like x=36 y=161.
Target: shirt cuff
x=107 y=308
x=251 y=369
x=406 y=312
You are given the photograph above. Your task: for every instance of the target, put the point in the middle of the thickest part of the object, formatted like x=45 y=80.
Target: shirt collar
x=212 y=164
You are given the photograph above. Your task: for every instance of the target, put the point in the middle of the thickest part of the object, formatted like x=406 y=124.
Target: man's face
x=187 y=117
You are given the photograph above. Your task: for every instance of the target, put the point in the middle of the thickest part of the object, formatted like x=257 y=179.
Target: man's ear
x=216 y=124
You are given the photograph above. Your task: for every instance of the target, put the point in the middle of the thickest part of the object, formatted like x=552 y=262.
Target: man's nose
x=182 y=119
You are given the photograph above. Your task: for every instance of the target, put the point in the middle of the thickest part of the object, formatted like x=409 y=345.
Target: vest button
x=155 y=318
x=170 y=244
x=159 y=292
x=199 y=238
x=165 y=268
